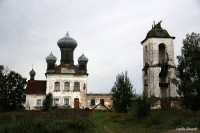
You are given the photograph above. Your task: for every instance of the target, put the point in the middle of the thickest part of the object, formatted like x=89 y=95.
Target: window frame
x=92 y=102
x=56 y=87
x=64 y=101
x=40 y=102
x=55 y=101
x=102 y=101
x=77 y=87
x=66 y=88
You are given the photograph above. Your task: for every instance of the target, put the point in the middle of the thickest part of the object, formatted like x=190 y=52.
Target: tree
x=144 y=104
x=188 y=71
x=11 y=89
x=122 y=92
x=47 y=103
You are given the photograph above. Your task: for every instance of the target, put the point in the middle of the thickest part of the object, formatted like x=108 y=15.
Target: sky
x=108 y=32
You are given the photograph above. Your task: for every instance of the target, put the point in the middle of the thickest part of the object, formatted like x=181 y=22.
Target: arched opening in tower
x=162 y=53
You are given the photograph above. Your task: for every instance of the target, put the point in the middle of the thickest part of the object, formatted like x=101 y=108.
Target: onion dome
x=82 y=58
x=32 y=72
x=51 y=58
x=158 y=32
x=67 y=42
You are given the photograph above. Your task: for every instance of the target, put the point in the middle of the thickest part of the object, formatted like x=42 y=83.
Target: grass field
x=80 y=121
x=159 y=121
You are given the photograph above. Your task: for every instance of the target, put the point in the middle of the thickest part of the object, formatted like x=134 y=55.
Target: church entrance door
x=76 y=102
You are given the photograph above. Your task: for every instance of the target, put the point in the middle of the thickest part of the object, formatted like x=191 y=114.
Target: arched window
x=57 y=86
x=76 y=86
x=162 y=53
x=67 y=86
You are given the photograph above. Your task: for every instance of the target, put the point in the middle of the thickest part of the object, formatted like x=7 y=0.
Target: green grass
x=60 y=120
x=159 y=121
x=80 y=121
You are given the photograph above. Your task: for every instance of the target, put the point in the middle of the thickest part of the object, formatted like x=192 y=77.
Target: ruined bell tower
x=158 y=63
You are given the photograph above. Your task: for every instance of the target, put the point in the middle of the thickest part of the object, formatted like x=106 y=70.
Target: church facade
x=66 y=82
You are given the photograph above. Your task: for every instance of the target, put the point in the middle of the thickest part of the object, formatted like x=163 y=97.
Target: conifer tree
x=122 y=92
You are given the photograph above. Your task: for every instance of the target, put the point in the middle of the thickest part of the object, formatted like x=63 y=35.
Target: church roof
x=32 y=72
x=36 y=87
x=51 y=58
x=83 y=58
x=158 y=32
x=67 y=42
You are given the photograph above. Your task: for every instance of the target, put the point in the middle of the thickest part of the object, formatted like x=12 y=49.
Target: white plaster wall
x=172 y=87
x=52 y=78
x=152 y=58
x=31 y=100
x=153 y=50
x=153 y=81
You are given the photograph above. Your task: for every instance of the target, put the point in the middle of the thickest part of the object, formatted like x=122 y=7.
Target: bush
x=47 y=103
x=87 y=109
x=144 y=104
x=61 y=120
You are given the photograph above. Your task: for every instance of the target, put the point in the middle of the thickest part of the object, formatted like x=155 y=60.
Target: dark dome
x=51 y=58
x=157 y=32
x=83 y=58
x=67 y=42
x=32 y=72
x=160 y=33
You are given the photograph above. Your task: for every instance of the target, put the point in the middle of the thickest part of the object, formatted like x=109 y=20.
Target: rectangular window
x=56 y=101
x=57 y=85
x=76 y=86
x=66 y=101
x=39 y=102
x=102 y=101
x=67 y=86
x=93 y=102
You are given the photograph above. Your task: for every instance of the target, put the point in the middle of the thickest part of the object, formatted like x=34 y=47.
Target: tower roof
x=83 y=58
x=157 y=32
x=51 y=58
x=67 y=42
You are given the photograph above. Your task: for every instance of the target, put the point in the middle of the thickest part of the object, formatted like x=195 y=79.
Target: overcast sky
x=108 y=32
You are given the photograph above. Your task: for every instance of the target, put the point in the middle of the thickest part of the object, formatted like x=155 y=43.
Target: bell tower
x=158 y=63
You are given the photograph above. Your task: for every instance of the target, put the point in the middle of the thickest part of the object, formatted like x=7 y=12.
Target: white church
x=68 y=82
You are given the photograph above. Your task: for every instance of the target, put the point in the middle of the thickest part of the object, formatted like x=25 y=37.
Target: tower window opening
x=162 y=52
x=163 y=79
x=163 y=92
x=67 y=56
